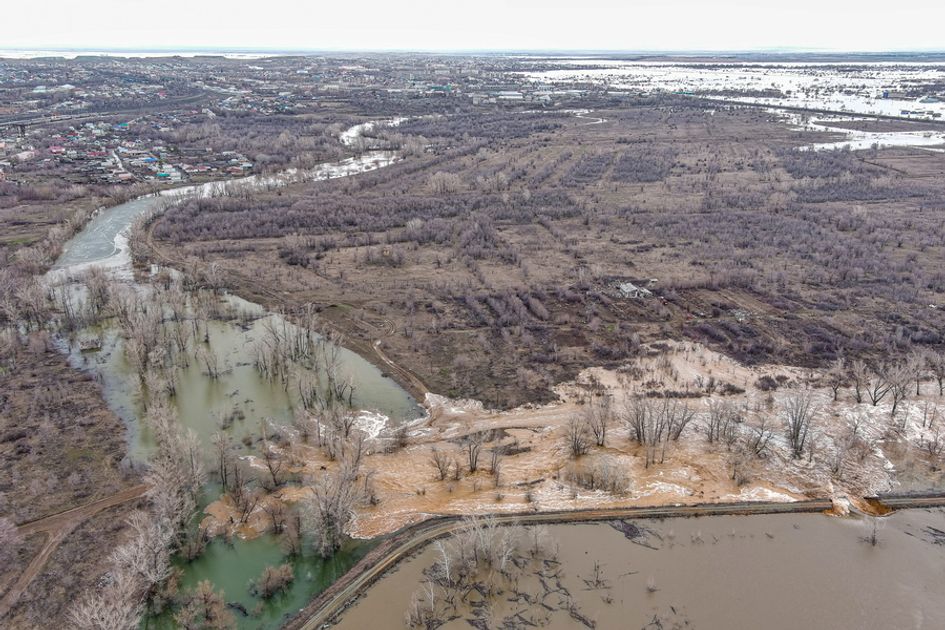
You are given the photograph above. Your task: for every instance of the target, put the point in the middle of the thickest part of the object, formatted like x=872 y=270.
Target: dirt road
x=56 y=528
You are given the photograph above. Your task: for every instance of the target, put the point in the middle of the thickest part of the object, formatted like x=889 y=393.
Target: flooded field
x=857 y=140
x=862 y=88
x=240 y=398
x=712 y=573
x=237 y=399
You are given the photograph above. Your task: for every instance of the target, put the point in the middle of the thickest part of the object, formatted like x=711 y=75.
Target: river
x=240 y=392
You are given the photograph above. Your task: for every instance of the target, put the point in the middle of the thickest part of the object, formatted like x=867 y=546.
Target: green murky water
x=232 y=567
x=202 y=403
x=240 y=393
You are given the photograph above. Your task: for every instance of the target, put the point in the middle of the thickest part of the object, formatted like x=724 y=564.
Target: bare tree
x=741 y=463
x=578 y=436
x=930 y=414
x=97 y=290
x=276 y=510
x=760 y=435
x=934 y=445
x=225 y=456
x=797 y=412
x=654 y=425
x=877 y=384
x=936 y=363
x=116 y=606
x=204 y=609
x=444 y=183
x=721 y=422
x=274 y=464
x=836 y=376
x=441 y=462
x=474 y=442
x=211 y=363
x=859 y=374
x=916 y=364
x=636 y=416
x=329 y=509
x=899 y=378
x=495 y=462
x=292 y=534
x=598 y=416
x=273 y=580
x=602 y=474
x=146 y=556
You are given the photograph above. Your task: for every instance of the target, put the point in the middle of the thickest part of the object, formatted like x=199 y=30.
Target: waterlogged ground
x=857 y=89
x=240 y=398
x=231 y=567
x=240 y=401
x=858 y=139
x=715 y=573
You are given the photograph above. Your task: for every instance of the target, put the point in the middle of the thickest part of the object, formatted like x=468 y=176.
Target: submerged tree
x=273 y=580
x=329 y=509
x=204 y=609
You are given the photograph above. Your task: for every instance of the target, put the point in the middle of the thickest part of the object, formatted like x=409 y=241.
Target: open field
x=490 y=265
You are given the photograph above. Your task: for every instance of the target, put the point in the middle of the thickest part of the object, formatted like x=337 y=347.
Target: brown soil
x=537 y=477
x=60 y=445
x=603 y=230
x=71 y=562
x=60 y=454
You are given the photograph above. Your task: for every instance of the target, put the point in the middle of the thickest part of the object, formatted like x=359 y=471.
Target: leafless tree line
x=655 y=423
x=140 y=567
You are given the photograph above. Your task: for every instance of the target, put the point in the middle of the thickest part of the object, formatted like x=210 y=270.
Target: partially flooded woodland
x=393 y=389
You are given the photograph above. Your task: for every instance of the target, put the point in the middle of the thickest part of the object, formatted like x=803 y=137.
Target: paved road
x=56 y=528
x=44 y=118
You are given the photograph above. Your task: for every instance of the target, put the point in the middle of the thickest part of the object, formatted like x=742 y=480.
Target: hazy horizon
x=595 y=26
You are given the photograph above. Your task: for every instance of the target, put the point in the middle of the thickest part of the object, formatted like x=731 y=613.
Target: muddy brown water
x=722 y=573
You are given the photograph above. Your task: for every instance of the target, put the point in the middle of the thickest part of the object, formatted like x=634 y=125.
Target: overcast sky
x=475 y=24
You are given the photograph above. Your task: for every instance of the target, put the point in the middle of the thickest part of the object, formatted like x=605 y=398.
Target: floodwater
x=231 y=567
x=858 y=88
x=778 y=572
x=201 y=402
x=856 y=140
x=240 y=392
x=104 y=243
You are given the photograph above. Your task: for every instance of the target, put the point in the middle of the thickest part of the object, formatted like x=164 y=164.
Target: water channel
x=240 y=393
